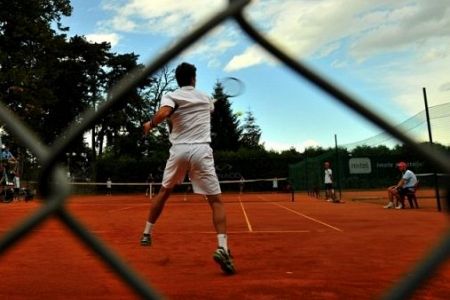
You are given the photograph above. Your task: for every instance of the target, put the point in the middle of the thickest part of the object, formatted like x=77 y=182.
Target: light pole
x=68 y=165
x=68 y=154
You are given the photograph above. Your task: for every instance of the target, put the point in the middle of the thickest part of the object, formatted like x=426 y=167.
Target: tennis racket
x=232 y=87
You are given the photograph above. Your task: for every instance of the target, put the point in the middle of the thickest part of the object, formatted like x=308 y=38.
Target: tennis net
x=253 y=190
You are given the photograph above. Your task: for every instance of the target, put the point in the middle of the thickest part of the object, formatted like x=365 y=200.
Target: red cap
x=402 y=164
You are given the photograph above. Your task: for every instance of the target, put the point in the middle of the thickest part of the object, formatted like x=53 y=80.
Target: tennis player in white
x=188 y=111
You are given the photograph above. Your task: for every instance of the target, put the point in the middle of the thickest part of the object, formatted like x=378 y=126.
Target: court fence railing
x=54 y=186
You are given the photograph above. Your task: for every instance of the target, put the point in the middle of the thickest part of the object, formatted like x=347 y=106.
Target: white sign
x=359 y=165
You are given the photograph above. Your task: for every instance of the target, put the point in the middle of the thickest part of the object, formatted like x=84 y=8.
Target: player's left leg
x=204 y=181
x=174 y=173
x=156 y=208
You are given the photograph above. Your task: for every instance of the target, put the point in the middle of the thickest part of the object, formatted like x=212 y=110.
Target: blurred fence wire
x=54 y=187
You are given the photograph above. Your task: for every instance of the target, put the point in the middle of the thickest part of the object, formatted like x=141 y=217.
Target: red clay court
x=307 y=249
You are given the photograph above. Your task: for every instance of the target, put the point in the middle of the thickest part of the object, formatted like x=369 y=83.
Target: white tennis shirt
x=328 y=176
x=410 y=179
x=191 y=119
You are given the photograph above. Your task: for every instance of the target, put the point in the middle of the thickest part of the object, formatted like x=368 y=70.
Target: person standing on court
x=188 y=111
x=241 y=184
x=328 y=181
x=150 y=182
x=407 y=181
x=108 y=186
x=275 y=184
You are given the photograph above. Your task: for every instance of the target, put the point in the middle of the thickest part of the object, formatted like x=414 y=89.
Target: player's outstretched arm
x=159 y=117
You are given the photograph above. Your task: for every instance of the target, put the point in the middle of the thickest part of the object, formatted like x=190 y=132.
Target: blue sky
x=382 y=51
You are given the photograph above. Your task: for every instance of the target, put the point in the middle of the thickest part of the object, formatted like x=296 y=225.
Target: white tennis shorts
x=197 y=160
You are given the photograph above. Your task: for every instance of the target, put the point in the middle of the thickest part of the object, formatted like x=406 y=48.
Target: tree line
x=48 y=79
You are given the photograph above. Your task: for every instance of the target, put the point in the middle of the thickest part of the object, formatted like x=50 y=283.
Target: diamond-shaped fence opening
x=53 y=183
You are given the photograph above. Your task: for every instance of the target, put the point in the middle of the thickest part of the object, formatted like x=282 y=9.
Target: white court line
x=237 y=232
x=123 y=208
x=249 y=226
x=307 y=217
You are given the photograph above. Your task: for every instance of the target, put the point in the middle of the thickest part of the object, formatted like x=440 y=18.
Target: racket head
x=232 y=86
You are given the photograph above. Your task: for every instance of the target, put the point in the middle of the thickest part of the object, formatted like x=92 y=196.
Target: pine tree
x=251 y=132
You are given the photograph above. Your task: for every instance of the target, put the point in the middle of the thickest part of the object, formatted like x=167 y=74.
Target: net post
x=430 y=136
x=292 y=194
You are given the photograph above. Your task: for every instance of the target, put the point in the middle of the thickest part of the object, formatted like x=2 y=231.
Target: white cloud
x=214 y=45
x=313 y=29
x=402 y=28
x=402 y=45
x=399 y=45
x=171 y=17
x=303 y=28
x=252 y=56
x=111 y=38
x=120 y=23
x=445 y=87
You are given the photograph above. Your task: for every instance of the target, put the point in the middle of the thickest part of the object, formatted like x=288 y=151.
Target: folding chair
x=411 y=196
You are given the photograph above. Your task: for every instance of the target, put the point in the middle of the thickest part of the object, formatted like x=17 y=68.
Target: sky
x=383 y=52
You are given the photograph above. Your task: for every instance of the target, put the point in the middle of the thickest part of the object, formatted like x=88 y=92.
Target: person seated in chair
x=8 y=163
x=406 y=183
x=7 y=156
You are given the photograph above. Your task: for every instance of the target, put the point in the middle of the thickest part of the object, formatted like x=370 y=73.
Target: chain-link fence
x=415 y=126
x=54 y=187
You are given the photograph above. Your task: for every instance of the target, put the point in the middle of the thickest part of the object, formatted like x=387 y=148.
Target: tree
x=162 y=82
x=251 y=132
x=30 y=63
x=121 y=128
x=225 y=131
x=365 y=150
x=92 y=58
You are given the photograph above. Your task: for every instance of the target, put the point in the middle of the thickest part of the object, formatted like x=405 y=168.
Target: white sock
x=148 y=227
x=222 y=241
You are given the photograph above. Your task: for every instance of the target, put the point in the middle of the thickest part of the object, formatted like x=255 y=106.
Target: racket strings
x=232 y=87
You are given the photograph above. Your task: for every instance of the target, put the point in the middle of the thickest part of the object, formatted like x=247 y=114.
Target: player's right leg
x=204 y=181
x=222 y=255
x=225 y=260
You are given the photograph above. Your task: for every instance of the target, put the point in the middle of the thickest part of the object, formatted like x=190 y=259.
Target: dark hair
x=184 y=74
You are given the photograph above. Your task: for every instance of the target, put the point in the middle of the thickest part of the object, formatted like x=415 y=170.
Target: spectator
x=241 y=184
x=150 y=187
x=108 y=186
x=275 y=184
x=8 y=161
x=7 y=155
x=16 y=182
x=328 y=181
x=397 y=192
